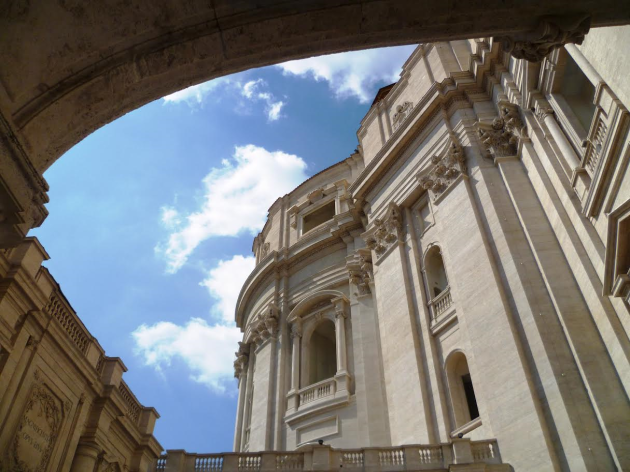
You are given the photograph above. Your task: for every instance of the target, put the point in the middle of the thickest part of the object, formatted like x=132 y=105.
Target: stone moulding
x=502 y=137
x=265 y=326
x=360 y=273
x=242 y=359
x=444 y=169
x=384 y=232
x=553 y=32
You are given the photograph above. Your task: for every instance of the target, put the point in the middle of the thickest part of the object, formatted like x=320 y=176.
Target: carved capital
x=384 y=232
x=501 y=138
x=341 y=307
x=402 y=112
x=444 y=169
x=296 y=329
x=542 y=111
x=360 y=273
x=552 y=32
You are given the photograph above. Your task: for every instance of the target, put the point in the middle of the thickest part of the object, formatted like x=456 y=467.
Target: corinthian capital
x=552 y=32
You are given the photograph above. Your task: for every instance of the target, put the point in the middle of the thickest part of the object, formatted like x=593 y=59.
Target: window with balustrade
x=321 y=361
x=439 y=296
x=461 y=389
x=319 y=352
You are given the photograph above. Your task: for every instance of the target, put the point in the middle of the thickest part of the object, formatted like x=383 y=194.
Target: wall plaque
x=36 y=434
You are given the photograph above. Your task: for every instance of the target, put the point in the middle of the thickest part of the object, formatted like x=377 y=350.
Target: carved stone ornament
x=37 y=432
x=264 y=251
x=242 y=358
x=360 y=272
x=266 y=325
x=402 y=112
x=444 y=169
x=315 y=195
x=501 y=138
x=109 y=467
x=553 y=32
x=296 y=328
x=384 y=232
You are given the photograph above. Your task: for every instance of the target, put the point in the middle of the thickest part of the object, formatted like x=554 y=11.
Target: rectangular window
x=315 y=218
x=578 y=92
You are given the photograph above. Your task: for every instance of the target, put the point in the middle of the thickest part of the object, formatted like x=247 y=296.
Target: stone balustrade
x=311 y=457
x=323 y=389
x=441 y=303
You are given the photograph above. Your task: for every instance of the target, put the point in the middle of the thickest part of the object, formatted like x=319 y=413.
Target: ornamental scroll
x=37 y=432
x=444 y=169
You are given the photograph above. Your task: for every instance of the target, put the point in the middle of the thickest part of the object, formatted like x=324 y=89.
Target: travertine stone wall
x=63 y=403
x=476 y=157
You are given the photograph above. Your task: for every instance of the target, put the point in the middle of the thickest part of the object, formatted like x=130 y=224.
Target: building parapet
x=434 y=457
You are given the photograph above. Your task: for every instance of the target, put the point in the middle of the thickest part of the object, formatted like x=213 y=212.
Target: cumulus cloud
x=243 y=95
x=236 y=198
x=206 y=348
x=252 y=91
x=235 y=271
x=195 y=95
x=353 y=74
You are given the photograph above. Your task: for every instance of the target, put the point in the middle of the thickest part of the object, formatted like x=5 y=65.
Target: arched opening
x=322 y=358
x=436 y=273
x=463 y=398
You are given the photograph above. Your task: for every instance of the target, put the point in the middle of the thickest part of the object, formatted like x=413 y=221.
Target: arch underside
x=67 y=69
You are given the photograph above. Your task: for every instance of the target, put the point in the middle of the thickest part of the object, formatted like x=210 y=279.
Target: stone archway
x=69 y=67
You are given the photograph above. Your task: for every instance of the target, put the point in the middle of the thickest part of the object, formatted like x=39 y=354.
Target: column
x=85 y=458
x=296 y=337
x=247 y=407
x=570 y=157
x=342 y=377
x=242 y=387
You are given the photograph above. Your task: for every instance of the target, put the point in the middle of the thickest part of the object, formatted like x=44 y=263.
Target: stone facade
x=63 y=403
x=473 y=278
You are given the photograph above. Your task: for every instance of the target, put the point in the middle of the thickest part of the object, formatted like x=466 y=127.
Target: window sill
x=467 y=428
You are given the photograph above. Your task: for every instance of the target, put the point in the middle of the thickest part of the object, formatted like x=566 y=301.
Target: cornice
x=440 y=96
x=283 y=260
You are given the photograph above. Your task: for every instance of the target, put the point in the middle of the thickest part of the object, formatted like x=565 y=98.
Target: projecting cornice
x=446 y=97
x=329 y=237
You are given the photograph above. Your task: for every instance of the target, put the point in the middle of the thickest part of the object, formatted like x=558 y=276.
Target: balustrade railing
x=430 y=455
x=484 y=451
x=249 y=462
x=441 y=303
x=352 y=459
x=209 y=463
x=133 y=406
x=69 y=322
x=325 y=388
x=435 y=457
x=594 y=147
x=290 y=461
x=391 y=457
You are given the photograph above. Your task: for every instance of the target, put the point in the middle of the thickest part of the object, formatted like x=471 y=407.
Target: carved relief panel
x=37 y=431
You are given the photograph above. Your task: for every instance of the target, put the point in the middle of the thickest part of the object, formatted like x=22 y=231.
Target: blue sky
x=152 y=219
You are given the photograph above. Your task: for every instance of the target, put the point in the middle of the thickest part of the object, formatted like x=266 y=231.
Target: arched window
x=322 y=359
x=460 y=383
x=436 y=274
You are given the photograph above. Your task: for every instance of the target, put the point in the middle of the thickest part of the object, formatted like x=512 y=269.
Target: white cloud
x=207 y=349
x=170 y=217
x=273 y=113
x=236 y=198
x=196 y=94
x=254 y=91
x=353 y=73
x=224 y=283
x=251 y=90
